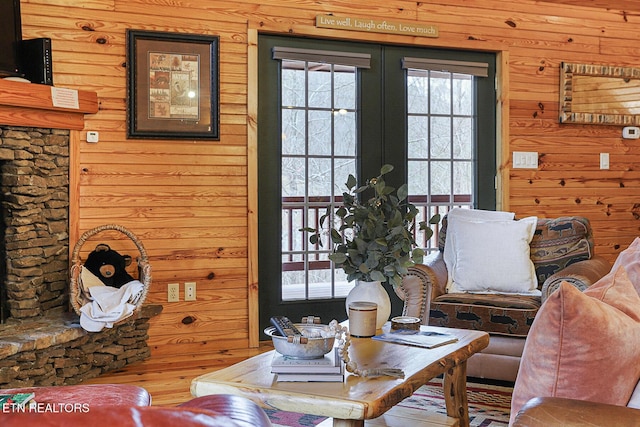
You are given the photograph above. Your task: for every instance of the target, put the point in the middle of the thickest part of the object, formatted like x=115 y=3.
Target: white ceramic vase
x=371 y=292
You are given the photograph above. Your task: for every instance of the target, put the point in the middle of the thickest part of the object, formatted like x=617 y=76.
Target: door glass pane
x=441 y=141
x=319 y=111
x=319 y=138
x=293 y=81
x=320 y=88
x=440 y=137
x=418 y=136
x=461 y=182
x=292 y=168
x=440 y=180
x=440 y=92
x=320 y=177
x=462 y=138
x=462 y=94
x=294 y=130
x=342 y=168
x=345 y=88
x=345 y=132
x=419 y=172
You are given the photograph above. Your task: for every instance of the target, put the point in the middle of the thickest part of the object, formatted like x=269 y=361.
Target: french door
x=328 y=109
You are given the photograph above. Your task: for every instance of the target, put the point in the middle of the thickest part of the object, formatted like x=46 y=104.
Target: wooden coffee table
x=356 y=399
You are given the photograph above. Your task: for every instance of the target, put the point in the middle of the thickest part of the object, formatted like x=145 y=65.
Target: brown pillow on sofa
x=583 y=345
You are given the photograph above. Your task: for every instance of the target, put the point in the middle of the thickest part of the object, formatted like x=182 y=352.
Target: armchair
x=561 y=249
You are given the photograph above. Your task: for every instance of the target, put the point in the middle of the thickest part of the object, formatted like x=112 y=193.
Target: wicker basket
x=144 y=268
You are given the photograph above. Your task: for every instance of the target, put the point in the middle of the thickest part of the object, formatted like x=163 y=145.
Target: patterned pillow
x=442 y=233
x=560 y=242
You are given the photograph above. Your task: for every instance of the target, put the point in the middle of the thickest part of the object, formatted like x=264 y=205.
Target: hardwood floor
x=168 y=379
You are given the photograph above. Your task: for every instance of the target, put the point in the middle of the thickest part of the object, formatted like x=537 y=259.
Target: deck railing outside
x=296 y=211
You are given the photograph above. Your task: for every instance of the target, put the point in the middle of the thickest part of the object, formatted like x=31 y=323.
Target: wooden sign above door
x=376 y=26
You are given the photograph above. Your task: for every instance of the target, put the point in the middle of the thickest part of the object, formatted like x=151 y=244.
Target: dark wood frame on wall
x=172 y=85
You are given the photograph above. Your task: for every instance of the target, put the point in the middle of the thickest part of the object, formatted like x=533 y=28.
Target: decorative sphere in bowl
x=320 y=341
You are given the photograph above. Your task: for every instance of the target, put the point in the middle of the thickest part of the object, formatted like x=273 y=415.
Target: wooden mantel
x=29 y=104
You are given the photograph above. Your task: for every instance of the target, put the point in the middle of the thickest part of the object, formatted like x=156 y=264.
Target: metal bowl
x=316 y=347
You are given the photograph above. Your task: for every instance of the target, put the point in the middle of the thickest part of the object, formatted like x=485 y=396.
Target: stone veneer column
x=35 y=208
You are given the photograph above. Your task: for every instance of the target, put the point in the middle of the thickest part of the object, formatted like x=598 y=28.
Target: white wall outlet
x=525 y=160
x=173 y=294
x=604 y=160
x=189 y=291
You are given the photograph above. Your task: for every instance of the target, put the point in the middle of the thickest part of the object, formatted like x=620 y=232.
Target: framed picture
x=172 y=85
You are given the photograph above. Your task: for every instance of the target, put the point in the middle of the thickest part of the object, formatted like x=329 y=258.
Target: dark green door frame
x=383 y=131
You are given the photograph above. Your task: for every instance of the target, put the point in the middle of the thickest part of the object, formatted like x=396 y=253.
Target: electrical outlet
x=189 y=291
x=173 y=294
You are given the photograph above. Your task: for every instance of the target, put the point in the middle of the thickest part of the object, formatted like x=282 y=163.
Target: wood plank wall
x=188 y=201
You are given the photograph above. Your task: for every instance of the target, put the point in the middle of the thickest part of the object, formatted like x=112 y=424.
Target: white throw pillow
x=493 y=256
x=476 y=215
x=479 y=215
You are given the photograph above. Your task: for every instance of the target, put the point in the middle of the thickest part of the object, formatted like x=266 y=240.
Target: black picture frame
x=172 y=85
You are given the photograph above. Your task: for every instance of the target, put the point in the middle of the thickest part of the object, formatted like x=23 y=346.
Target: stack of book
x=8 y=401
x=328 y=368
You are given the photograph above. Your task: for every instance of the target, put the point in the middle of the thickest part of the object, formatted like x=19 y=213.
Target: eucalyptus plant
x=374 y=241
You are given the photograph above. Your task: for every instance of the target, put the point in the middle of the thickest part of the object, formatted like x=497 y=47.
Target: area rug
x=489 y=406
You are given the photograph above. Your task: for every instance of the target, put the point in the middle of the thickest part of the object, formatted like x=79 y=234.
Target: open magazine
x=425 y=339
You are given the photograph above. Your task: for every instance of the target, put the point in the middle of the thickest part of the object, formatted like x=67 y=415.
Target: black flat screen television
x=10 y=37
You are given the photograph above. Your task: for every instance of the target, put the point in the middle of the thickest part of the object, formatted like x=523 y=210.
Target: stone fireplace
x=41 y=341
x=34 y=164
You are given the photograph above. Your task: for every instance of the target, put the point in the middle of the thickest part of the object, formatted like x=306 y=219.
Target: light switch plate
x=525 y=160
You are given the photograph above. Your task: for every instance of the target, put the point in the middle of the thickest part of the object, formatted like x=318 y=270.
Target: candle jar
x=362 y=319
